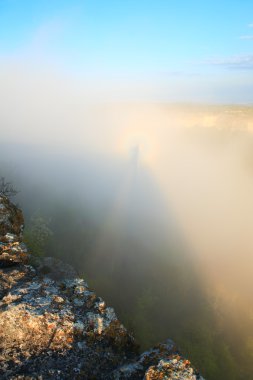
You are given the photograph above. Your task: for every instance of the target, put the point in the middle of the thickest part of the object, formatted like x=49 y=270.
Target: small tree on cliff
x=6 y=188
x=38 y=234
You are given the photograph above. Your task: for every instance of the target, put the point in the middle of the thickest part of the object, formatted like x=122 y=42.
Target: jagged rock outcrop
x=52 y=326
x=12 y=251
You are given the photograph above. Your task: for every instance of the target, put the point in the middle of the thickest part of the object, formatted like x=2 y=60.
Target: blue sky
x=167 y=46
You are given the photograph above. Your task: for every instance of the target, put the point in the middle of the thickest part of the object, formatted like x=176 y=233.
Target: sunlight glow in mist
x=139 y=139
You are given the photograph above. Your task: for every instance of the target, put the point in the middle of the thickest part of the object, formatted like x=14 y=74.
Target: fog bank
x=144 y=188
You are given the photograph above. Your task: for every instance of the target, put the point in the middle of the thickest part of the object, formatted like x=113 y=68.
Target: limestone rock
x=175 y=367
x=52 y=326
x=12 y=251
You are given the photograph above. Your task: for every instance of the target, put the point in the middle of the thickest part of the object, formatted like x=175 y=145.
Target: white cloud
x=243 y=62
x=250 y=25
x=247 y=37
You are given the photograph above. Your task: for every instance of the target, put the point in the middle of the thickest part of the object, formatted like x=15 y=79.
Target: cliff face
x=52 y=326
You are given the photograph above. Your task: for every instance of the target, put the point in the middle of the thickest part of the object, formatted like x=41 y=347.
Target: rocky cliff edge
x=52 y=326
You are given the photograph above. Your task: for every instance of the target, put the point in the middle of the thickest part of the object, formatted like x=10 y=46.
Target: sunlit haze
x=139 y=116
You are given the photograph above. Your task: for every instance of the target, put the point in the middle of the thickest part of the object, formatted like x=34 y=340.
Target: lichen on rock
x=12 y=251
x=52 y=326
